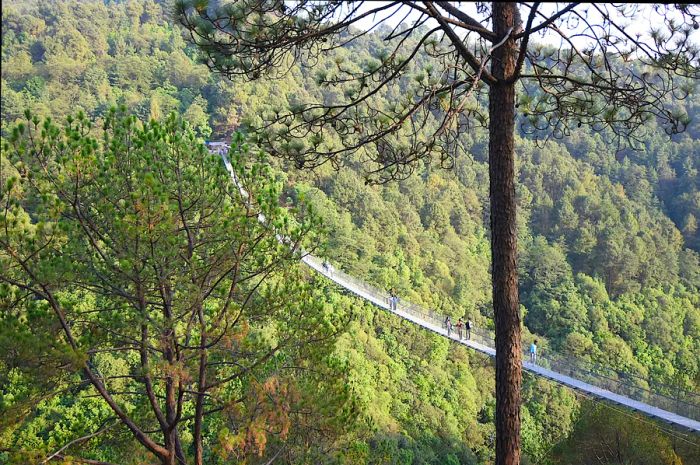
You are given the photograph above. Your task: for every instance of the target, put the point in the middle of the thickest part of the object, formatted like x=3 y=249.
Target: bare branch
x=548 y=20
x=459 y=44
x=525 y=41
x=468 y=22
x=103 y=428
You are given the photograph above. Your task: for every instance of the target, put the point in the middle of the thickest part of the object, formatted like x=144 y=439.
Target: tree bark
x=504 y=237
x=201 y=389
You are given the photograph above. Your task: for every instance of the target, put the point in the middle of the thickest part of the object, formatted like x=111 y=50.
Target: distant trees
x=134 y=272
x=608 y=436
x=388 y=235
x=91 y=56
x=613 y=81
x=196 y=115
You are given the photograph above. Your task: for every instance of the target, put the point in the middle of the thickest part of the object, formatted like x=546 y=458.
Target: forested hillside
x=609 y=255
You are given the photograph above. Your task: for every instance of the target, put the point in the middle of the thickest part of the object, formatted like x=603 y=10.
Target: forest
x=609 y=264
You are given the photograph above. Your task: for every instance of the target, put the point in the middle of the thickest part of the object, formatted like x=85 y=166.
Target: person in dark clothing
x=460 y=327
x=393 y=300
x=469 y=329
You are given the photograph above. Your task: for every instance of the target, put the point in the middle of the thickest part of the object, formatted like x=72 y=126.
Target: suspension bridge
x=666 y=403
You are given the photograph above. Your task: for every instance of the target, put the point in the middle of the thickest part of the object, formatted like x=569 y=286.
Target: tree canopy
x=148 y=283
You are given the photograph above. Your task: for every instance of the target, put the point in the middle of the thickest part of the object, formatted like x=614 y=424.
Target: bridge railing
x=665 y=397
x=679 y=401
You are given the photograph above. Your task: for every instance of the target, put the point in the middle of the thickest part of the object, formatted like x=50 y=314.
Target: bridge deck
x=408 y=312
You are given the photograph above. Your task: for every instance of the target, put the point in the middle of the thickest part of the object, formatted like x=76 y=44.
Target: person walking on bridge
x=460 y=326
x=469 y=328
x=393 y=300
x=533 y=352
x=448 y=325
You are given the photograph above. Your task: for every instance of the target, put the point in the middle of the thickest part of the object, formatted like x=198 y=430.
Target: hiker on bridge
x=393 y=300
x=469 y=328
x=448 y=325
x=328 y=268
x=533 y=352
x=460 y=327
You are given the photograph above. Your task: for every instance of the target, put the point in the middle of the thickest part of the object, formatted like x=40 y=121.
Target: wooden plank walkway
x=380 y=299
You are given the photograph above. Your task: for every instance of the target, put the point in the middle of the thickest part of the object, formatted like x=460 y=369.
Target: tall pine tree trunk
x=504 y=239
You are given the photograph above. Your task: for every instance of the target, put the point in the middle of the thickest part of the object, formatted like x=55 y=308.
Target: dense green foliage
x=140 y=290
x=605 y=434
x=610 y=242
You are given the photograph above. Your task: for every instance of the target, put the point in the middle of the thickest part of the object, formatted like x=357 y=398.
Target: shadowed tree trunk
x=504 y=238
